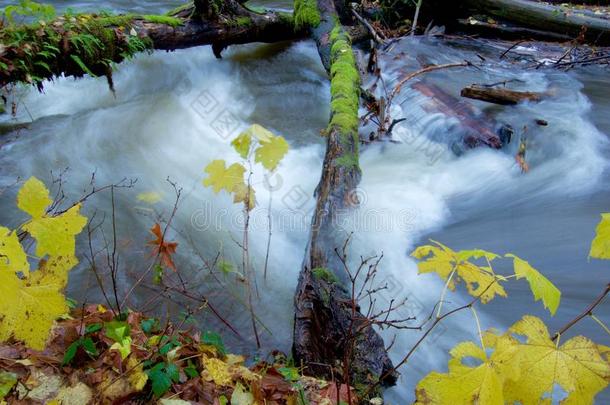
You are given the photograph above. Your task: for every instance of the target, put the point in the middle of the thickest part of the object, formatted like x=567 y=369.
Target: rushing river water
x=175 y=112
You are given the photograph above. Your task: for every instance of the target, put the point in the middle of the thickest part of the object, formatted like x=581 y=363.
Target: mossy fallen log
x=545 y=17
x=323 y=316
x=79 y=44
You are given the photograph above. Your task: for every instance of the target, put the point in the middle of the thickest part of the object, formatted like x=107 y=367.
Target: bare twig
x=377 y=36
x=427 y=70
x=587 y=312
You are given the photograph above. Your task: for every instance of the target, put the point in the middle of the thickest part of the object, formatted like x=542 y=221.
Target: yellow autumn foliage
x=530 y=370
x=32 y=301
x=600 y=247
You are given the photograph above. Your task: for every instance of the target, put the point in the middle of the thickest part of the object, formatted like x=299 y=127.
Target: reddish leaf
x=163 y=249
x=330 y=392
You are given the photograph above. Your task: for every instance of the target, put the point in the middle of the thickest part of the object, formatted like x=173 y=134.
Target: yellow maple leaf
x=240 y=193
x=481 y=384
x=30 y=306
x=137 y=377
x=55 y=236
x=123 y=347
x=259 y=132
x=217 y=370
x=33 y=198
x=455 y=266
x=576 y=366
x=12 y=256
x=224 y=178
x=32 y=301
x=242 y=143
x=600 y=246
x=541 y=287
x=271 y=152
x=151 y=197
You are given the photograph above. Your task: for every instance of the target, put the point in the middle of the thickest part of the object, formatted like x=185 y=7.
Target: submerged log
x=478 y=132
x=500 y=95
x=323 y=306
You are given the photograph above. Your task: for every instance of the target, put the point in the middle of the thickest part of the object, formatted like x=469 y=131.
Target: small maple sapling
x=255 y=145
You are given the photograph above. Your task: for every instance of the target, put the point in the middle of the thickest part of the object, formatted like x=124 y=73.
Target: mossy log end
x=90 y=44
x=323 y=316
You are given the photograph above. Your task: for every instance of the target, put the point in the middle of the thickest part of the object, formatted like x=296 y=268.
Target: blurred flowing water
x=175 y=112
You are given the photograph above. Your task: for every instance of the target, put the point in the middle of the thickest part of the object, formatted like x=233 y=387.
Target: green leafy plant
x=161 y=376
x=120 y=332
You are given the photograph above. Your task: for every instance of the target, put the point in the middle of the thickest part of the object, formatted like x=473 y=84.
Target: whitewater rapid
x=173 y=113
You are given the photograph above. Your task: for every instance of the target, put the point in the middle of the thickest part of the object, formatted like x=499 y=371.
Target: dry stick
x=115 y=260
x=270 y=234
x=600 y=323
x=589 y=60
x=246 y=259
x=93 y=265
x=416 y=17
x=426 y=70
x=427 y=332
x=203 y=300
x=376 y=36
x=169 y=221
x=513 y=46
x=587 y=312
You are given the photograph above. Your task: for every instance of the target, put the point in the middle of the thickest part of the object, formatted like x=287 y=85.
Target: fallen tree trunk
x=547 y=17
x=90 y=44
x=499 y=96
x=323 y=317
x=504 y=31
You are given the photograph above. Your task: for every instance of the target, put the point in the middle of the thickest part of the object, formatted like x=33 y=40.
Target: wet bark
x=546 y=17
x=499 y=95
x=534 y=15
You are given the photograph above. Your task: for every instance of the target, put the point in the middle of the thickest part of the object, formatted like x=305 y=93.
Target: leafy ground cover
x=94 y=358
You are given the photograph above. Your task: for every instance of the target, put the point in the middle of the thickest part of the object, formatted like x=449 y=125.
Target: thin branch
x=587 y=312
x=427 y=70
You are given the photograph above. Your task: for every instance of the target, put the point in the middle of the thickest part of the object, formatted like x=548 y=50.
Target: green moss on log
x=242 y=22
x=124 y=20
x=180 y=9
x=163 y=19
x=322 y=273
x=345 y=96
x=306 y=14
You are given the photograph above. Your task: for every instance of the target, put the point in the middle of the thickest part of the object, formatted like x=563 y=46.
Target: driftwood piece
x=500 y=96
